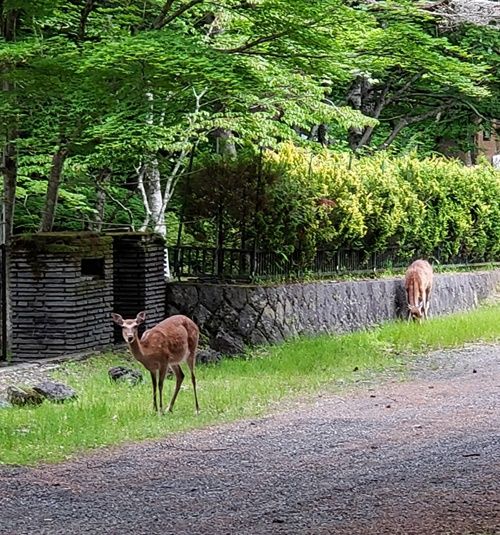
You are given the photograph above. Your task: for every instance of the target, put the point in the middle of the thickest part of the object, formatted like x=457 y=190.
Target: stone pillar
x=61 y=294
x=139 y=277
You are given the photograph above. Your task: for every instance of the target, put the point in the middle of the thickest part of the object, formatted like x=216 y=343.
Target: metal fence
x=220 y=263
x=3 y=303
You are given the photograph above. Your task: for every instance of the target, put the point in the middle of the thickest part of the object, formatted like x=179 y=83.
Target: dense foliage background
x=305 y=123
x=330 y=200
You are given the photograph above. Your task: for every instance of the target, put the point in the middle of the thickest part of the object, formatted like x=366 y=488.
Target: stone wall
x=61 y=294
x=139 y=277
x=231 y=316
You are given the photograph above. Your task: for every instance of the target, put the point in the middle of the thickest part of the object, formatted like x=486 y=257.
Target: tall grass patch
x=107 y=413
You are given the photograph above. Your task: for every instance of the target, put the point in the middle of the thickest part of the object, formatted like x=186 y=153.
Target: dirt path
x=420 y=457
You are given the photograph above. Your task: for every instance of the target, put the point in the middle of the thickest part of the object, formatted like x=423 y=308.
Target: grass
x=108 y=413
x=363 y=274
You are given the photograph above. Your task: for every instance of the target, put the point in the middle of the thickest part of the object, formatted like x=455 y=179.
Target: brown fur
x=418 y=284
x=166 y=345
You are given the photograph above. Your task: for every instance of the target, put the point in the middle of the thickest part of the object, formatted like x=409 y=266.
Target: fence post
x=257 y=196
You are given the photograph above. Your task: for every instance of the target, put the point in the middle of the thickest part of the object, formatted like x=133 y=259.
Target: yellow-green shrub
x=329 y=200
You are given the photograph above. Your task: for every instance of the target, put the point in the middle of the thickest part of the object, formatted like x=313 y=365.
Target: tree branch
x=278 y=55
x=141 y=171
x=84 y=15
x=381 y=104
x=255 y=42
x=405 y=121
x=403 y=89
x=162 y=19
x=367 y=134
x=175 y=175
x=119 y=203
x=265 y=39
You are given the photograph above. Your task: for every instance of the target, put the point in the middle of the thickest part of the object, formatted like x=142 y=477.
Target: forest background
x=279 y=124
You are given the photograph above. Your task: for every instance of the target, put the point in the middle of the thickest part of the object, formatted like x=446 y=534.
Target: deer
x=166 y=345
x=418 y=284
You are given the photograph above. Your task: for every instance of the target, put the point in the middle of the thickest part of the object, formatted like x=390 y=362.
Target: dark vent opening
x=93 y=267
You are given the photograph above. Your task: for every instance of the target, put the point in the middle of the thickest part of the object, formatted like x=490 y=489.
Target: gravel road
x=414 y=457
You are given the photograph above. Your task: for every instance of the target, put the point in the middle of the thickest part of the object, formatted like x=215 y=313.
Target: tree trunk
x=323 y=134
x=8 y=24
x=368 y=131
x=9 y=168
x=49 y=210
x=101 y=179
x=225 y=144
x=152 y=186
x=357 y=99
x=9 y=171
x=84 y=15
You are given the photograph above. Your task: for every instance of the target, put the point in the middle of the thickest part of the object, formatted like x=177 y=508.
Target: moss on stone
x=75 y=245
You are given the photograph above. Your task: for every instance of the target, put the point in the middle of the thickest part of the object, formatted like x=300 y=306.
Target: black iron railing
x=240 y=264
x=3 y=302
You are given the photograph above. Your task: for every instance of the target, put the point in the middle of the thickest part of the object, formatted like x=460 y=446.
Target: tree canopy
x=104 y=104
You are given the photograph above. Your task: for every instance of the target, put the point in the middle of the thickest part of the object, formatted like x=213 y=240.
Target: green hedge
x=329 y=200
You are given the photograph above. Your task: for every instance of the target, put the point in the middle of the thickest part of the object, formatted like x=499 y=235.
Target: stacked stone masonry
x=139 y=277
x=57 y=306
x=259 y=314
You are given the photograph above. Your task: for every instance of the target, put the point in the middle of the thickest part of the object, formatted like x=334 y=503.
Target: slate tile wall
x=57 y=309
x=139 y=277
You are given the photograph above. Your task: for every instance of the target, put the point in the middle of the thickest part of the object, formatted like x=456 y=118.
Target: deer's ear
x=141 y=318
x=117 y=319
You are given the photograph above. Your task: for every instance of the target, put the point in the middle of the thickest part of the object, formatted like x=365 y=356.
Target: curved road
x=415 y=457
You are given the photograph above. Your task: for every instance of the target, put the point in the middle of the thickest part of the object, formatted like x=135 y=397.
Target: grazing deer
x=166 y=345
x=418 y=284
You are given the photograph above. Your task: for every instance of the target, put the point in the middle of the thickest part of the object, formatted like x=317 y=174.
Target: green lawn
x=108 y=413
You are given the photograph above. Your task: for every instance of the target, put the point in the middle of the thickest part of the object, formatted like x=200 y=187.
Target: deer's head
x=416 y=311
x=129 y=327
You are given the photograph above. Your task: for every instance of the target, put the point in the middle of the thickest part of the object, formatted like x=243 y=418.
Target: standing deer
x=166 y=345
x=418 y=283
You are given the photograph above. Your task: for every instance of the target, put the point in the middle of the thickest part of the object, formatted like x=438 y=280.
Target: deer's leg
x=427 y=301
x=408 y=305
x=179 y=377
x=153 y=380
x=161 y=379
x=190 y=362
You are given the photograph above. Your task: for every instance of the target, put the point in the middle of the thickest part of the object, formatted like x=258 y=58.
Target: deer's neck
x=137 y=349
